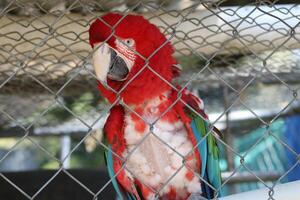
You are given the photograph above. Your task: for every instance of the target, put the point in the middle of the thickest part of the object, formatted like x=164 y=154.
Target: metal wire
x=45 y=51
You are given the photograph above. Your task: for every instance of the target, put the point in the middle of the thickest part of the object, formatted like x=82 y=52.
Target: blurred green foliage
x=79 y=104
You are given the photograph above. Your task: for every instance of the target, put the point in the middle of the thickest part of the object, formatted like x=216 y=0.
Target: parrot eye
x=129 y=42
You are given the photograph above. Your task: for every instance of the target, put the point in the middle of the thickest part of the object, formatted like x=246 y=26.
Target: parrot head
x=131 y=56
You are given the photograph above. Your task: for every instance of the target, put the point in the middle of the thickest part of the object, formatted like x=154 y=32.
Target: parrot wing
x=114 y=131
x=122 y=195
x=207 y=145
x=209 y=152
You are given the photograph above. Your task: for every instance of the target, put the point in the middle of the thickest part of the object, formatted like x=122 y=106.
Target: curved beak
x=109 y=64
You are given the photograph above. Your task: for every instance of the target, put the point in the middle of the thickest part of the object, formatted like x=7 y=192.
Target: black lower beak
x=118 y=69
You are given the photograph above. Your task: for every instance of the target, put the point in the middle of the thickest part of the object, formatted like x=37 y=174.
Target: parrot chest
x=156 y=156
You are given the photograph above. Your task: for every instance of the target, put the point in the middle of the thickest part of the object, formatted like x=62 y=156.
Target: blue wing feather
x=109 y=162
x=202 y=147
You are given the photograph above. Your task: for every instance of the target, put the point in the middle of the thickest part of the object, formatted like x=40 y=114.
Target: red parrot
x=157 y=133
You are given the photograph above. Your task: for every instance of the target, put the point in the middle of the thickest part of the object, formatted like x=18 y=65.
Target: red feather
x=179 y=106
x=114 y=132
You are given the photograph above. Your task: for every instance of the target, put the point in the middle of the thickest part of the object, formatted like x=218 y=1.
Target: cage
x=240 y=57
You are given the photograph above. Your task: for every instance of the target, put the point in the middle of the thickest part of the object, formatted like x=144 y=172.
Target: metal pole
x=65 y=150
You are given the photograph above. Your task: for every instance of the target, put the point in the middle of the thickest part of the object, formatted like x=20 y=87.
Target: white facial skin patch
x=101 y=61
x=126 y=51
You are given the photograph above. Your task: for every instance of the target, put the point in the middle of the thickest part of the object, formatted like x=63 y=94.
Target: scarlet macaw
x=153 y=134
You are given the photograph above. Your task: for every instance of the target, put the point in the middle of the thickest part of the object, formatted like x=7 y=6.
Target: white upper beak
x=101 y=60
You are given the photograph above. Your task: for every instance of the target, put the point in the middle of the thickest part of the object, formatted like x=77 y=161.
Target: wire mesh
x=45 y=64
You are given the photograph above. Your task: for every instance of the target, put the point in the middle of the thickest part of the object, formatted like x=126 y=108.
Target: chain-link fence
x=240 y=57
